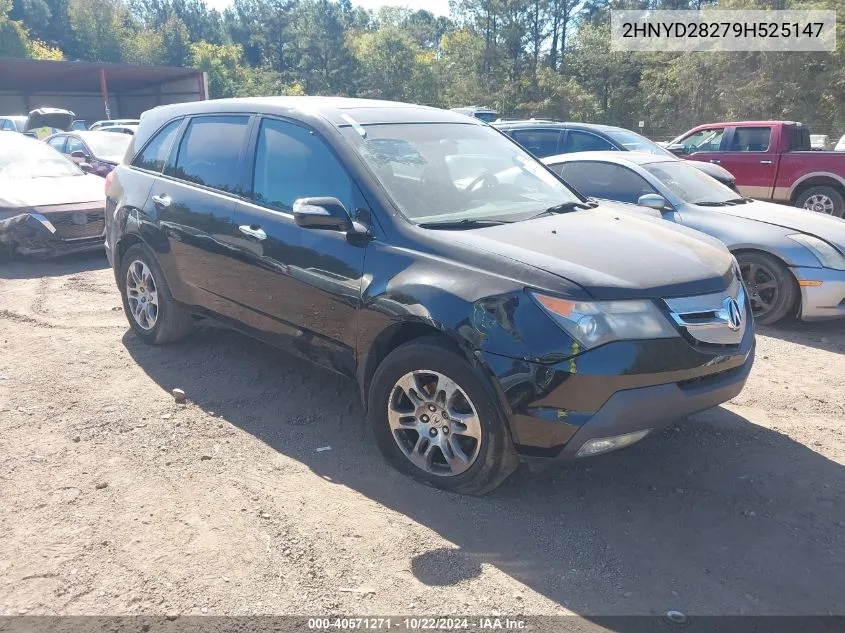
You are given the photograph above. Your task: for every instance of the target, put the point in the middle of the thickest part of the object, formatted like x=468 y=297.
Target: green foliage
x=542 y=58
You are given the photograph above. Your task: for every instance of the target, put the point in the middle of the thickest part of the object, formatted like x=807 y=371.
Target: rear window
x=210 y=153
x=155 y=153
x=751 y=139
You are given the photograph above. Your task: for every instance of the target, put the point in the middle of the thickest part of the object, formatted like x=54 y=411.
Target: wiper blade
x=565 y=207
x=711 y=204
x=467 y=223
x=735 y=201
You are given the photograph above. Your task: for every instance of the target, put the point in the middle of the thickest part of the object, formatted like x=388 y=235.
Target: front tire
x=770 y=286
x=434 y=420
x=822 y=200
x=152 y=312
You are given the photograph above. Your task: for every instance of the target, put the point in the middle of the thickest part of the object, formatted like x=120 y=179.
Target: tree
x=98 y=28
x=323 y=60
x=13 y=38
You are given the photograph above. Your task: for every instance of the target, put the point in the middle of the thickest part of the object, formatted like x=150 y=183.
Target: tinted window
x=292 y=163
x=155 y=153
x=704 y=140
x=603 y=180
x=74 y=145
x=585 y=142
x=751 y=139
x=541 y=143
x=7 y=125
x=57 y=143
x=210 y=152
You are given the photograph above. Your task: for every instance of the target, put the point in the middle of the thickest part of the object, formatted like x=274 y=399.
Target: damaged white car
x=48 y=205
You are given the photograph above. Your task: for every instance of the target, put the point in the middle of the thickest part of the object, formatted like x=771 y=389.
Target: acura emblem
x=731 y=313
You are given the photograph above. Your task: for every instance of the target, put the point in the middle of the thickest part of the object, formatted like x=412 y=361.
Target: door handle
x=765 y=162
x=716 y=161
x=162 y=201
x=253 y=231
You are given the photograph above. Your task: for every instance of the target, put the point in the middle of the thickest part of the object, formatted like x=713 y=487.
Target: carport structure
x=95 y=91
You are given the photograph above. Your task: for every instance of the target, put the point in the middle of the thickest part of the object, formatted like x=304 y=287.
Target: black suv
x=487 y=311
x=550 y=138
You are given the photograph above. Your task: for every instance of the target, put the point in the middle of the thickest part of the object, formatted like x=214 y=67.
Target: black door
x=302 y=286
x=194 y=200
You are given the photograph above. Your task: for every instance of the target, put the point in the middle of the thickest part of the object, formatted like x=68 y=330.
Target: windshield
x=453 y=171
x=690 y=184
x=108 y=144
x=633 y=142
x=33 y=159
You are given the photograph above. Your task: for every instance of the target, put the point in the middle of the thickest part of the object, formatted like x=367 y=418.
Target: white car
x=840 y=146
x=100 y=125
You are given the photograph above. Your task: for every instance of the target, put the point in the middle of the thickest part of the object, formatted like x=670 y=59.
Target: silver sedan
x=792 y=260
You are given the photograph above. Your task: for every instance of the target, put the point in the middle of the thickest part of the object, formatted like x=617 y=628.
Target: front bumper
x=81 y=228
x=616 y=389
x=826 y=301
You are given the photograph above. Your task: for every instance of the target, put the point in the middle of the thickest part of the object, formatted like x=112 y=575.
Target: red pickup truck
x=771 y=160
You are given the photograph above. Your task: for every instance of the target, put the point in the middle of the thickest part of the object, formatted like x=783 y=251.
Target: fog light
x=605 y=444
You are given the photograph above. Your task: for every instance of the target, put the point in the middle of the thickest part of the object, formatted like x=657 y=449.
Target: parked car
x=792 y=262
x=79 y=125
x=48 y=205
x=12 y=123
x=98 y=125
x=101 y=150
x=121 y=129
x=820 y=142
x=488 y=115
x=771 y=160
x=483 y=320
x=549 y=138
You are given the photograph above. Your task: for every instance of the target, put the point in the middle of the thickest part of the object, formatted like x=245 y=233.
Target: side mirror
x=327 y=214
x=86 y=167
x=653 y=201
x=79 y=154
x=678 y=149
x=30 y=134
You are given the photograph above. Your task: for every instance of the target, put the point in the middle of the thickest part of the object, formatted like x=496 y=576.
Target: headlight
x=827 y=255
x=593 y=323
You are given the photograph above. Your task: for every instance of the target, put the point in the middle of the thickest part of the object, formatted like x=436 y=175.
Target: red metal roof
x=36 y=75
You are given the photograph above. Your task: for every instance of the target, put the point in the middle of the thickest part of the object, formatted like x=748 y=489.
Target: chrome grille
x=720 y=318
x=70 y=226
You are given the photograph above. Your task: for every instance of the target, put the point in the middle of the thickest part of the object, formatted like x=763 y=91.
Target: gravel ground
x=119 y=501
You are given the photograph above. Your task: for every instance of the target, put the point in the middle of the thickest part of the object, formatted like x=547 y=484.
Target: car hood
x=22 y=195
x=719 y=173
x=611 y=254
x=823 y=226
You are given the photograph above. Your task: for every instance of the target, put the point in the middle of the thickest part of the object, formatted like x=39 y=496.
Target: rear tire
x=822 y=199
x=472 y=458
x=770 y=286
x=152 y=312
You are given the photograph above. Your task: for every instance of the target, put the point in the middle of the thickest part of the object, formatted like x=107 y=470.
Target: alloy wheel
x=434 y=423
x=762 y=287
x=819 y=203
x=142 y=294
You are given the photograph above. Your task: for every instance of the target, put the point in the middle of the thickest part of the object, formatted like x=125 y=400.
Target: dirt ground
x=116 y=500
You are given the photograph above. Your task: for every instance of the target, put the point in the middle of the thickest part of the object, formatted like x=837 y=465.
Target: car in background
x=792 y=262
x=483 y=319
x=121 y=129
x=549 y=138
x=488 y=115
x=820 y=142
x=12 y=123
x=97 y=125
x=840 y=146
x=102 y=150
x=48 y=205
x=771 y=160
x=80 y=125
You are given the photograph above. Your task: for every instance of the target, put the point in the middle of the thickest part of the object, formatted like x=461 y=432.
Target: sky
x=437 y=7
